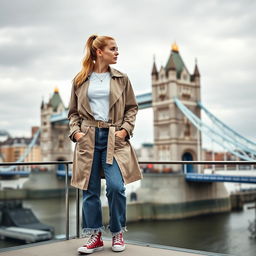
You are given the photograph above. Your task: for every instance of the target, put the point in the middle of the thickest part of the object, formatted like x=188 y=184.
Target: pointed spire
x=154 y=69
x=42 y=103
x=56 y=89
x=55 y=100
x=175 y=47
x=196 y=70
x=170 y=65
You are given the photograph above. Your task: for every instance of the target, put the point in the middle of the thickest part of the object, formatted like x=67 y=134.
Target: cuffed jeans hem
x=89 y=231
x=123 y=229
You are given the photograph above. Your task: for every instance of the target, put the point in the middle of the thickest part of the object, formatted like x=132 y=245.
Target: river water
x=223 y=233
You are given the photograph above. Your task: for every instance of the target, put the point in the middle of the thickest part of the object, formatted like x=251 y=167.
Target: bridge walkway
x=69 y=248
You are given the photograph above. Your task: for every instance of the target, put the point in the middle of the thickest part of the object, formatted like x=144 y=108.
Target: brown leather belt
x=111 y=134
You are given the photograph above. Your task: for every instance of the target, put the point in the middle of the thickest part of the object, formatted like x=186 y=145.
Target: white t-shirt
x=98 y=94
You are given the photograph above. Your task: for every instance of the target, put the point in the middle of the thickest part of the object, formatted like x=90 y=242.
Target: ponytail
x=93 y=43
x=87 y=62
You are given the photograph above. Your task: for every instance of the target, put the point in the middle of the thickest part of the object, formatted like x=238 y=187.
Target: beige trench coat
x=122 y=111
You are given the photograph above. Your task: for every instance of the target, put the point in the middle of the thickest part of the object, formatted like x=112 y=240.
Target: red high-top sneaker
x=118 y=243
x=94 y=244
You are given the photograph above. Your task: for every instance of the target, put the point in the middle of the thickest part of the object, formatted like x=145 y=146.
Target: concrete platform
x=69 y=248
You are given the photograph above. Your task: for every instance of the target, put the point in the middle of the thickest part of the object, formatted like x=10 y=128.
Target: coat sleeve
x=73 y=115
x=131 y=109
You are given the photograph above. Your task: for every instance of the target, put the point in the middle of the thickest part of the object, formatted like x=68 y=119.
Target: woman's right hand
x=78 y=135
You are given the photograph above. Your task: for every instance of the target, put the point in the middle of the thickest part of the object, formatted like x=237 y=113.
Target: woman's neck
x=100 y=67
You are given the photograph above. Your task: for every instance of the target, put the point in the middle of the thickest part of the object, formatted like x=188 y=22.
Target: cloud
x=42 y=45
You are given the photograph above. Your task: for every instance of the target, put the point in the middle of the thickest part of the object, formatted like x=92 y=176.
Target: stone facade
x=175 y=137
x=55 y=143
x=12 y=149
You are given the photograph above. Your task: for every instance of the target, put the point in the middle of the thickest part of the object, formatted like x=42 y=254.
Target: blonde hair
x=93 y=43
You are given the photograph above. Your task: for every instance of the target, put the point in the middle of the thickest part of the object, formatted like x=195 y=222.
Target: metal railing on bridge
x=67 y=163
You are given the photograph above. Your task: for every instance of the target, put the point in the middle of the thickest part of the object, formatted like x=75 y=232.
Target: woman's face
x=109 y=53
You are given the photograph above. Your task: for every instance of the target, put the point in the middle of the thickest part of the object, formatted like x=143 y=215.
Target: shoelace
x=118 y=238
x=93 y=238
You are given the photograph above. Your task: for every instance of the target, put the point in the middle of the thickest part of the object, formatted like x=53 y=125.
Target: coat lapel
x=116 y=87
x=116 y=90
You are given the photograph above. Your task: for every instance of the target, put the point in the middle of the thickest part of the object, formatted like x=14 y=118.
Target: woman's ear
x=99 y=52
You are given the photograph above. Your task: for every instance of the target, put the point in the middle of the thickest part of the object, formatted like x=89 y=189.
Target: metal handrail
x=140 y=162
x=36 y=163
x=198 y=162
x=78 y=190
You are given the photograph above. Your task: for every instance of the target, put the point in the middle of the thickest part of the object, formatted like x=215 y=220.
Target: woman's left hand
x=122 y=133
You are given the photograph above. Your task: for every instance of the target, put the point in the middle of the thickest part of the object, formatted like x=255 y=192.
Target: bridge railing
x=211 y=163
x=67 y=163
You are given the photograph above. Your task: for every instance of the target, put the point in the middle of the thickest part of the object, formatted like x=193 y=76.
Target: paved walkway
x=69 y=248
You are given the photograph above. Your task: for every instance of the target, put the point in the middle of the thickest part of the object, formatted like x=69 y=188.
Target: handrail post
x=77 y=213
x=67 y=203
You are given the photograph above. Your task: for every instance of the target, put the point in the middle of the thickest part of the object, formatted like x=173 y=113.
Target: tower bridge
x=175 y=99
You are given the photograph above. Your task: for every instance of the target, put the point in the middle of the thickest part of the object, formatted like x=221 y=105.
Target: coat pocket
x=82 y=143
x=119 y=142
x=85 y=131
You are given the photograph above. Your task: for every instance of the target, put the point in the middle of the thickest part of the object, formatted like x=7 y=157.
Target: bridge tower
x=54 y=141
x=175 y=138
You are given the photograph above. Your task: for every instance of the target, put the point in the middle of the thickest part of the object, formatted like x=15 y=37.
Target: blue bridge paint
x=188 y=168
x=13 y=173
x=62 y=173
x=195 y=177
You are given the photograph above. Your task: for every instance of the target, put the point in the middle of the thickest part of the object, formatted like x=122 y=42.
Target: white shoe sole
x=85 y=250
x=118 y=249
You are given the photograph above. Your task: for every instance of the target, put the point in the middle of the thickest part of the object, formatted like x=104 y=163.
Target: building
x=54 y=140
x=209 y=155
x=145 y=152
x=12 y=149
x=4 y=135
x=175 y=138
x=1 y=158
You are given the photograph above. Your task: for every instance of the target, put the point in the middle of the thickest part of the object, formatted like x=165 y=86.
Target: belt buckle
x=99 y=124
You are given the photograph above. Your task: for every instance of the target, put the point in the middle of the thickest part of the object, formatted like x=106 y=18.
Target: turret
x=196 y=75
x=42 y=104
x=196 y=71
x=196 y=79
x=154 y=73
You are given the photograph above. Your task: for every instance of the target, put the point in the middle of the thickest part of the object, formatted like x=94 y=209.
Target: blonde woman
x=102 y=113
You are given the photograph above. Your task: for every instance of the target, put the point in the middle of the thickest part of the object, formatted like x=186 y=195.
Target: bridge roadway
x=69 y=248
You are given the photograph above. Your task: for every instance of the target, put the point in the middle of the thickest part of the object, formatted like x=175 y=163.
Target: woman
x=102 y=113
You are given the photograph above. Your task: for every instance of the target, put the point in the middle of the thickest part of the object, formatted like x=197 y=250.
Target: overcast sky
x=42 y=45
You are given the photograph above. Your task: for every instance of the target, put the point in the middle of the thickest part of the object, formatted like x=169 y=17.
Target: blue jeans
x=115 y=191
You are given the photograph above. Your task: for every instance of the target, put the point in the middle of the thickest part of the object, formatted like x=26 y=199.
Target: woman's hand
x=122 y=133
x=78 y=135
